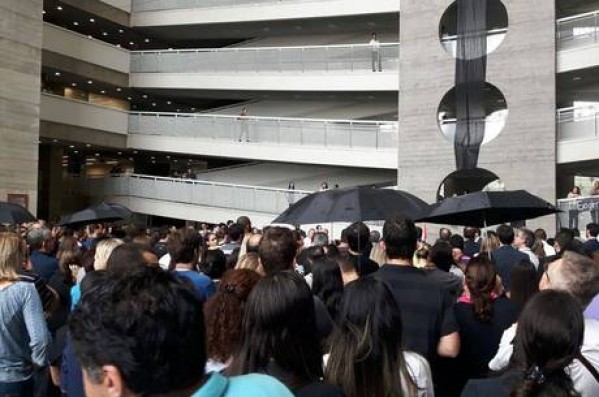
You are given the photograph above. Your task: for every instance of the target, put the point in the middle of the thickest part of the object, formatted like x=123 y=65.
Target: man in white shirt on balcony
x=244 y=126
x=375 y=52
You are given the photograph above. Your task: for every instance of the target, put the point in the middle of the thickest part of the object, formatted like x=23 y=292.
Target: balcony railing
x=577 y=123
x=322 y=59
x=337 y=134
x=578 y=30
x=159 y=5
x=191 y=191
x=578 y=212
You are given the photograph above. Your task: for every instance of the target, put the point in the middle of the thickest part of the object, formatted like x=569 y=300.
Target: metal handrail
x=263 y=118
x=240 y=49
x=491 y=32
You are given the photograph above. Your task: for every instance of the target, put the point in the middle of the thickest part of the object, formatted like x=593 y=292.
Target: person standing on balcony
x=244 y=125
x=375 y=52
x=573 y=212
x=595 y=192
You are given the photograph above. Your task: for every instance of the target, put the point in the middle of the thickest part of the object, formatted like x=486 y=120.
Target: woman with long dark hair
x=482 y=313
x=547 y=341
x=279 y=336
x=366 y=356
x=327 y=284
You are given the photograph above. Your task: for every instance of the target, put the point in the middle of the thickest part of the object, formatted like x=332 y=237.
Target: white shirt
x=549 y=250
x=165 y=261
x=584 y=382
x=533 y=258
x=374 y=44
x=419 y=371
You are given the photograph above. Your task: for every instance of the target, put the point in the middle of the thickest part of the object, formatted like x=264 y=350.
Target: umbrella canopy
x=352 y=204
x=14 y=213
x=482 y=209
x=104 y=212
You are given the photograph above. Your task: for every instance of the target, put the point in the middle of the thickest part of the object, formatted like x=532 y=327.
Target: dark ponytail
x=481 y=280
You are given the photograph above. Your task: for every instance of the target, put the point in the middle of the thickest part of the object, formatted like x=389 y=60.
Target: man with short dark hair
x=235 y=234
x=444 y=235
x=471 y=246
x=277 y=252
x=358 y=240
x=592 y=245
x=144 y=335
x=506 y=256
x=429 y=325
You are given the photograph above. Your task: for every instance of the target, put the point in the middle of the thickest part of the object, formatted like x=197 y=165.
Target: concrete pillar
x=51 y=187
x=522 y=68
x=20 y=64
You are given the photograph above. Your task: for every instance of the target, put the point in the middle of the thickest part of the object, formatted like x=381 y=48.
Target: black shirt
x=363 y=264
x=45 y=294
x=481 y=340
x=493 y=387
x=426 y=308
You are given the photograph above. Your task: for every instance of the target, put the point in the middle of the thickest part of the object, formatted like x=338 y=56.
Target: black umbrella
x=482 y=209
x=352 y=204
x=14 y=213
x=104 y=212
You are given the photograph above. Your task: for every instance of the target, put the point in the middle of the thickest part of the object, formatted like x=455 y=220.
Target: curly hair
x=224 y=312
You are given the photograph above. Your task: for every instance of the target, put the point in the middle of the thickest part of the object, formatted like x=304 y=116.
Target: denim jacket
x=24 y=336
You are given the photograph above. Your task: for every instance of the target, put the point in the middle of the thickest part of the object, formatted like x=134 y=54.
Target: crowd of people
x=231 y=310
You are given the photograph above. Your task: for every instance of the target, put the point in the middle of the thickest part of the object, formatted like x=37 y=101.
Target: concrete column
x=20 y=64
x=522 y=68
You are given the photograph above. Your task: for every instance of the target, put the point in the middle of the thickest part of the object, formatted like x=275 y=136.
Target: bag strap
x=590 y=367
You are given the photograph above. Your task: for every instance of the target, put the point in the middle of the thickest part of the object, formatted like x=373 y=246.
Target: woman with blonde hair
x=24 y=337
x=250 y=261
x=103 y=250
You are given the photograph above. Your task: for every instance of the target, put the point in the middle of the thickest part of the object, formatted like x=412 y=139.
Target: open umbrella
x=483 y=209
x=352 y=204
x=14 y=213
x=104 y=212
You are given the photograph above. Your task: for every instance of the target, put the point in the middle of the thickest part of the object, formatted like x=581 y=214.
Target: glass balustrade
x=577 y=123
x=196 y=192
x=293 y=60
x=336 y=134
x=159 y=5
x=578 y=30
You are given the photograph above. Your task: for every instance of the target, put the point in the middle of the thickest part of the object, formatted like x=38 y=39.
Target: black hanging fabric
x=471 y=73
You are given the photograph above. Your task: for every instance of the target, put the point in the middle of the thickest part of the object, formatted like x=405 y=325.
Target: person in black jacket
x=506 y=256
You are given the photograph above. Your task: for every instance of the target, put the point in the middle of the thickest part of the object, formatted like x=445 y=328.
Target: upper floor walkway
x=187 y=12
x=191 y=199
x=578 y=42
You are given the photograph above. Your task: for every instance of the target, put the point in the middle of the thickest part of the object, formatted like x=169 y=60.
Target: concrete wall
x=523 y=68
x=74 y=45
x=20 y=64
x=263 y=12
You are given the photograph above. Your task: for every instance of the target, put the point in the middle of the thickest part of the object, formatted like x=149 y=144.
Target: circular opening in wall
x=468 y=181
x=482 y=114
x=471 y=29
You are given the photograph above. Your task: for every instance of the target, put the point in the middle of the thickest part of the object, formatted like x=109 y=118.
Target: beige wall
x=20 y=63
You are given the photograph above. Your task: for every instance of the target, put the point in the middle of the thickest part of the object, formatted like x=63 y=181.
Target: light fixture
x=89 y=36
x=118 y=46
x=72 y=146
x=76 y=23
x=121 y=31
x=97 y=154
x=44 y=12
x=76 y=152
x=129 y=98
x=88 y=145
x=56 y=73
x=168 y=102
x=118 y=89
x=102 y=92
x=131 y=43
x=146 y=40
x=144 y=96
x=135 y=152
x=178 y=110
x=73 y=84
x=119 y=153
x=90 y=82
x=59 y=8
x=154 y=104
x=104 y=33
x=577 y=78
x=55 y=140
x=92 y=20
x=175 y=161
x=168 y=157
x=130 y=158
x=193 y=109
x=152 y=157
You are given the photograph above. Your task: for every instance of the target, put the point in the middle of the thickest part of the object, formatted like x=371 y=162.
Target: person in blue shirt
x=42 y=259
x=183 y=246
x=144 y=334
